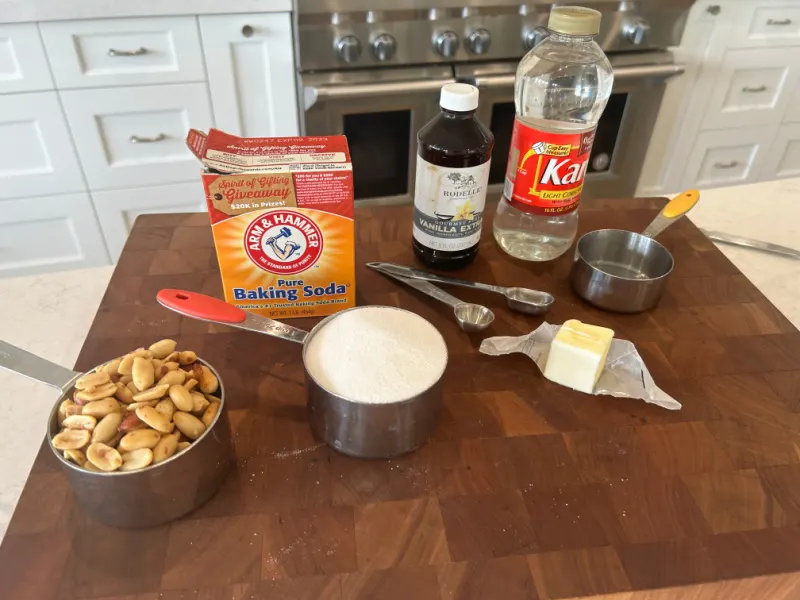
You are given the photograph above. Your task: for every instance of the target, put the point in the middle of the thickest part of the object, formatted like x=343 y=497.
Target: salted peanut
x=186 y=357
x=176 y=377
x=73 y=409
x=92 y=380
x=200 y=404
x=189 y=425
x=141 y=352
x=132 y=387
x=104 y=391
x=181 y=397
x=208 y=381
x=166 y=407
x=143 y=374
x=126 y=365
x=131 y=423
x=165 y=447
x=156 y=364
x=114 y=377
x=123 y=394
x=173 y=357
x=183 y=446
x=90 y=467
x=155 y=419
x=106 y=428
x=163 y=348
x=125 y=379
x=190 y=384
x=136 y=459
x=76 y=456
x=112 y=366
x=62 y=409
x=154 y=393
x=86 y=422
x=133 y=406
x=104 y=457
x=210 y=413
x=71 y=439
x=100 y=408
x=171 y=365
x=141 y=438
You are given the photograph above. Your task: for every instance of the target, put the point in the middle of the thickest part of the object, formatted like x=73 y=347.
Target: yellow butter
x=578 y=354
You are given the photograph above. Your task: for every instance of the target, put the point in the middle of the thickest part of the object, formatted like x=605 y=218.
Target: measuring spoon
x=470 y=317
x=674 y=210
x=524 y=300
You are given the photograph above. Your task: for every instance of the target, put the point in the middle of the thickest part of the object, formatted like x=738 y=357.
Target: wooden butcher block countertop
x=526 y=489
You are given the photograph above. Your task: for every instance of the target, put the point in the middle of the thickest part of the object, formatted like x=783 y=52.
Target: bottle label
x=448 y=205
x=546 y=170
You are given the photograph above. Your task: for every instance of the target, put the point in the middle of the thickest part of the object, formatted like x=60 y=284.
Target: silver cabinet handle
x=714 y=9
x=754 y=90
x=137 y=52
x=135 y=139
x=247 y=31
x=779 y=21
x=728 y=165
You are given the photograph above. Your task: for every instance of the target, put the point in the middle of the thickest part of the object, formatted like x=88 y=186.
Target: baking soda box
x=282 y=216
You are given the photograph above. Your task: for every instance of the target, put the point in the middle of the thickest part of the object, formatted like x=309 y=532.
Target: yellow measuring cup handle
x=681 y=204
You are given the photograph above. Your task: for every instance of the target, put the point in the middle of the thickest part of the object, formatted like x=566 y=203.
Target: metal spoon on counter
x=524 y=300
x=470 y=317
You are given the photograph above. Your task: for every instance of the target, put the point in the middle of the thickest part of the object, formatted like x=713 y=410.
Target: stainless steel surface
x=154 y=495
x=137 y=52
x=532 y=302
x=479 y=41
x=533 y=35
x=135 y=139
x=348 y=49
x=383 y=47
x=470 y=317
x=446 y=43
x=359 y=429
x=743 y=242
x=619 y=270
x=636 y=31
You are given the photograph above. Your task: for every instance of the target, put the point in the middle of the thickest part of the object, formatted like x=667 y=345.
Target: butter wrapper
x=624 y=375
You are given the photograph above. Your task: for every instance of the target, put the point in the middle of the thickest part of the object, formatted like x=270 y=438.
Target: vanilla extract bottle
x=454 y=151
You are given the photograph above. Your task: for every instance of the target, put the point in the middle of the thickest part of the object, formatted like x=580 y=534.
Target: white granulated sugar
x=376 y=354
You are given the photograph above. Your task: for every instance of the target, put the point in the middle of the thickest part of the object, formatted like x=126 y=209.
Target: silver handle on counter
x=137 y=52
x=728 y=165
x=403 y=271
x=135 y=139
x=735 y=240
x=621 y=73
x=754 y=90
x=779 y=21
x=36 y=368
x=425 y=287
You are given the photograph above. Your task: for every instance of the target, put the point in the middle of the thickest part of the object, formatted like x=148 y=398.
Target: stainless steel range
x=372 y=70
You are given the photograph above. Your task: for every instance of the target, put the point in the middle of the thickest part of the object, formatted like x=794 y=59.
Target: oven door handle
x=620 y=74
x=311 y=95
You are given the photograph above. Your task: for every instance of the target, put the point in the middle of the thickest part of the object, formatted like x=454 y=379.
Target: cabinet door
x=118 y=210
x=765 y=23
x=784 y=156
x=753 y=87
x=251 y=74
x=49 y=233
x=103 y=52
x=731 y=157
x=23 y=64
x=134 y=136
x=36 y=154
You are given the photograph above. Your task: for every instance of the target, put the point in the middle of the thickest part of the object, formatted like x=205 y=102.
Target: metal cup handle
x=35 y=367
x=674 y=210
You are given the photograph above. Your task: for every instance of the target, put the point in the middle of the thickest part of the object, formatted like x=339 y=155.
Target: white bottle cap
x=459 y=97
x=574 y=20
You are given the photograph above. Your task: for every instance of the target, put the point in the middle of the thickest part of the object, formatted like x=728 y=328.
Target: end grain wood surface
x=526 y=490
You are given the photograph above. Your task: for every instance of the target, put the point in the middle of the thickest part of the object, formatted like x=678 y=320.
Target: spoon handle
x=674 y=210
x=411 y=273
x=425 y=287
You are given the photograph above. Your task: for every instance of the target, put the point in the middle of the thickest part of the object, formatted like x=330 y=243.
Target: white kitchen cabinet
x=23 y=64
x=251 y=73
x=764 y=23
x=784 y=156
x=106 y=52
x=36 y=153
x=130 y=137
x=118 y=210
x=721 y=158
x=48 y=233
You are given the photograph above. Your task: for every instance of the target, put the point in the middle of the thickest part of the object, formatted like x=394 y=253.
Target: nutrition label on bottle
x=449 y=205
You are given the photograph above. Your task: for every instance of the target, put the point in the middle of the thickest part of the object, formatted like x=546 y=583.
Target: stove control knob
x=531 y=37
x=384 y=47
x=348 y=48
x=636 y=31
x=479 y=41
x=446 y=43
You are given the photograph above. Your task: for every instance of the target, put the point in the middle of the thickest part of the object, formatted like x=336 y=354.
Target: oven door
x=380 y=112
x=623 y=132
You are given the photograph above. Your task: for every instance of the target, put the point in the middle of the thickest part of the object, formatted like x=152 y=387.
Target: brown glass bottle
x=453 y=154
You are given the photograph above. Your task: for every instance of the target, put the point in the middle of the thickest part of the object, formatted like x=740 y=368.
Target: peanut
x=126 y=365
x=199 y=403
x=86 y=422
x=143 y=374
x=71 y=439
x=154 y=393
x=100 y=408
x=91 y=381
x=136 y=459
x=73 y=409
x=189 y=425
x=165 y=448
x=76 y=456
x=62 y=409
x=131 y=423
x=166 y=407
x=104 y=457
x=155 y=419
x=208 y=381
x=106 y=428
x=163 y=348
x=123 y=394
x=176 y=377
x=210 y=413
x=171 y=365
x=173 y=357
x=190 y=384
x=141 y=438
x=112 y=366
x=181 y=397
x=125 y=379
x=186 y=357
x=98 y=393
x=134 y=405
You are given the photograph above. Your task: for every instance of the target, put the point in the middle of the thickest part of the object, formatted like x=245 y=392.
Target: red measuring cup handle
x=200 y=306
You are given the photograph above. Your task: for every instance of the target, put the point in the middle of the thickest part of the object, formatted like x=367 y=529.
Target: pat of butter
x=578 y=354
